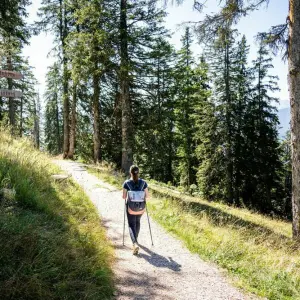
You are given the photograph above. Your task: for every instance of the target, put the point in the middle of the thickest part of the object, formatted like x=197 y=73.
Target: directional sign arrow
x=10 y=74
x=10 y=93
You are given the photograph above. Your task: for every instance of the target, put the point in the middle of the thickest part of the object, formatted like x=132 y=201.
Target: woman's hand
x=124 y=194
x=147 y=195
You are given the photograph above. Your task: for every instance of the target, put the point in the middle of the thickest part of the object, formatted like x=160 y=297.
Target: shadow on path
x=159 y=261
x=141 y=286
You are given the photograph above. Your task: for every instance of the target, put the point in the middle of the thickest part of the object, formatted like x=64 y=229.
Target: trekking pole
x=124 y=221
x=149 y=225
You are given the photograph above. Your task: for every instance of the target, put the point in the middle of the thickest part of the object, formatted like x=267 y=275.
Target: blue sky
x=257 y=21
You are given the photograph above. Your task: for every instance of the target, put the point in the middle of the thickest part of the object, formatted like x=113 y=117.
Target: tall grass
x=52 y=245
x=257 y=251
x=107 y=173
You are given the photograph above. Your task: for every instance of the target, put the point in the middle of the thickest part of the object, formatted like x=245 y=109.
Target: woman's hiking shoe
x=136 y=249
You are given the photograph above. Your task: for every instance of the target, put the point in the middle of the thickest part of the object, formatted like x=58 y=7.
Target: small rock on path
x=166 y=270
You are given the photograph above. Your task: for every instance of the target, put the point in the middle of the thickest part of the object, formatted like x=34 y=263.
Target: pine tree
x=154 y=134
x=36 y=120
x=208 y=150
x=138 y=35
x=89 y=52
x=12 y=20
x=243 y=82
x=127 y=130
x=284 y=37
x=188 y=84
x=56 y=16
x=285 y=206
x=222 y=57
x=264 y=163
x=111 y=120
x=26 y=112
x=53 y=124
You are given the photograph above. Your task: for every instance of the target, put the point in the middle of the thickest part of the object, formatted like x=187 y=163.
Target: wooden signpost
x=10 y=74
x=9 y=93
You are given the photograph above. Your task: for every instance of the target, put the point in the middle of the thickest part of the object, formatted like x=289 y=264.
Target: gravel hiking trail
x=167 y=270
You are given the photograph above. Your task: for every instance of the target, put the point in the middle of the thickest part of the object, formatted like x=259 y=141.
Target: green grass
x=52 y=242
x=257 y=251
x=107 y=173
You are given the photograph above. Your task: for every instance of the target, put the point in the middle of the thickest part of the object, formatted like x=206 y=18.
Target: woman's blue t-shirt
x=131 y=185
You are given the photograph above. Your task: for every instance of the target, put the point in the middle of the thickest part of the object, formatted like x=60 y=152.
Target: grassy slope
x=52 y=242
x=257 y=251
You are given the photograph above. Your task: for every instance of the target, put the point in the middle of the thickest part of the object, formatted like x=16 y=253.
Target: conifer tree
x=89 y=51
x=264 y=163
x=111 y=119
x=138 y=35
x=127 y=130
x=285 y=206
x=27 y=112
x=53 y=119
x=36 y=121
x=223 y=70
x=188 y=83
x=284 y=37
x=154 y=135
x=56 y=16
x=243 y=82
x=12 y=21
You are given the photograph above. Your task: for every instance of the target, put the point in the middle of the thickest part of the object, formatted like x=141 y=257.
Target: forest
x=120 y=93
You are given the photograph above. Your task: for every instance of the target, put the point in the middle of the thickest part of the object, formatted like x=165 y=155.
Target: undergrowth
x=52 y=242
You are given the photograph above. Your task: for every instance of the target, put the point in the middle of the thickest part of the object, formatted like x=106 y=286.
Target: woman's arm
x=124 y=194
x=147 y=193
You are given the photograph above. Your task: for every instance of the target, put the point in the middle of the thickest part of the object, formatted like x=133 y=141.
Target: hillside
x=52 y=244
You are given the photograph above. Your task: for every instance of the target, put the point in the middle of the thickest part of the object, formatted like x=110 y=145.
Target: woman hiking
x=135 y=193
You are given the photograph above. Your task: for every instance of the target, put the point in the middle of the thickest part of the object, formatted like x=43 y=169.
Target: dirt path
x=165 y=271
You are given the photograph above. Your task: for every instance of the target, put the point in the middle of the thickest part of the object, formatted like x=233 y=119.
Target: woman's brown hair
x=134 y=171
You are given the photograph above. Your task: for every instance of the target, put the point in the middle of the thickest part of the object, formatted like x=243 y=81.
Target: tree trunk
x=57 y=124
x=229 y=162
x=11 y=100
x=36 y=130
x=63 y=35
x=73 y=123
x=294 y=87
x=21 y=117
x=38 y=122
x=66 y=110
x=127 y=132
x=21 y=112
x=96 y=115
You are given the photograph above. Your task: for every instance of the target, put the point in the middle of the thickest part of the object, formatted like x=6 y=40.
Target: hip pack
x=136 y=203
